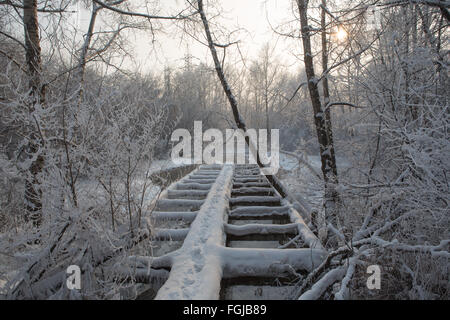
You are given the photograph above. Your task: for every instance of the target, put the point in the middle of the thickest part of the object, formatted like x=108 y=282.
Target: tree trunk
x=84 y=50
x=33 y=193
x=327 y=157
x=231 y=99
x=326 y=90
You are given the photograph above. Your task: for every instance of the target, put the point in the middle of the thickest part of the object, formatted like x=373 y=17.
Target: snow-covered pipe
x=192 y=186
x=170 y=234
x=178 y=204
x=307 y=235
x=187 y=194
x=255 y=228
x=197 y=267
x=259 y=210
x=185 y=216
x=241 y=262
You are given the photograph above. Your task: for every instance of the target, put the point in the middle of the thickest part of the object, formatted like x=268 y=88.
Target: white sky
x=251 y=15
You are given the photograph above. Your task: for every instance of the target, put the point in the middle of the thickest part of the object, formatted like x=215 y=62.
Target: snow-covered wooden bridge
x=224 y=232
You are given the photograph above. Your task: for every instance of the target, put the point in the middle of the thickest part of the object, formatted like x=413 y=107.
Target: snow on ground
x=8 y=269
x=90 y=194
x=160 y=248
x=91 y=190
x=300 y=181
x=160 y=164
x=288 y=162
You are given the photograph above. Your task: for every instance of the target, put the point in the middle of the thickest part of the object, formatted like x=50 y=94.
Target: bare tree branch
x=138 y=14
x=19 y=6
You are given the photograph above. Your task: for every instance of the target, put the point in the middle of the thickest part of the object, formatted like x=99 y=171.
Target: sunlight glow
x=341 y=34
